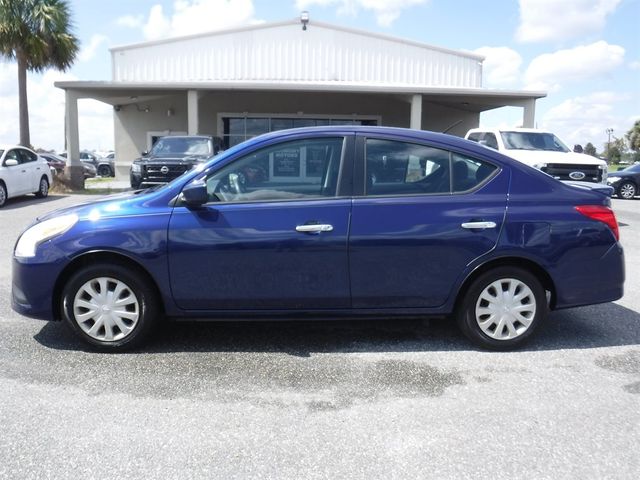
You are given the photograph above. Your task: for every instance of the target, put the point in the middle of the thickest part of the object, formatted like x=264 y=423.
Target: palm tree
x=37 y=34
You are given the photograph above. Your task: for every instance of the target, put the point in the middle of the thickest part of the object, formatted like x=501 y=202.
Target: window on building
x=239 y=129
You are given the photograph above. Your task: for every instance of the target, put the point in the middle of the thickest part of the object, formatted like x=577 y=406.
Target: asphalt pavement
x=313 y=400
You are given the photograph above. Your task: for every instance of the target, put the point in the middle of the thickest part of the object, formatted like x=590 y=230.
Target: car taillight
x=602 y=214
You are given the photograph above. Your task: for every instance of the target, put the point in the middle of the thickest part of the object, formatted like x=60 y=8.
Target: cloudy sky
x=584 y=53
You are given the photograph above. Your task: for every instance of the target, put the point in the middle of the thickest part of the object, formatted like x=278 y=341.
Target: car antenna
x=454 y=124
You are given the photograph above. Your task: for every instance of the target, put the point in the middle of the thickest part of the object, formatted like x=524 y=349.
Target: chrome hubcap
x=106 y=309
x=505 y=309
x=627 y=190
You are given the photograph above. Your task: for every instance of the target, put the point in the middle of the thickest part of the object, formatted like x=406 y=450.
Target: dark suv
x=170 y=157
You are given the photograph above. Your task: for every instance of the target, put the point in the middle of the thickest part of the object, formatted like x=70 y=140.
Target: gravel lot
x=322 y=400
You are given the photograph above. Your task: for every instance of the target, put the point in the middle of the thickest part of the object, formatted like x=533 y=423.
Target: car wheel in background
x=43 y=188
x=104 y=171
x=3 y=194
x=110 y=306
x=627 y=190
x=502 y=308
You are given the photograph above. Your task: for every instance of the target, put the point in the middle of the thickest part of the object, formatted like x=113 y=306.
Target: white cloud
x=130 y=21
x=89 y=51
x=46 y=112
x=552 y=20
x=194 y=16
x=550 y=71
x=386 y=11
x=635 y=65
x=586 y=119
x=501 y=67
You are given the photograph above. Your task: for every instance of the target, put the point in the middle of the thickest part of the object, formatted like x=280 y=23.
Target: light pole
x=609 y=132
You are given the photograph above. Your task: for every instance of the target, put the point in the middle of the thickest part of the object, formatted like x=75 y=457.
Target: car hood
x=117 y=205
x=622 y=174
x=172 y=158
x=531 y=157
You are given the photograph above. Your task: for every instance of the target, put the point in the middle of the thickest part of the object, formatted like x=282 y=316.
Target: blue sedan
x=325 y=223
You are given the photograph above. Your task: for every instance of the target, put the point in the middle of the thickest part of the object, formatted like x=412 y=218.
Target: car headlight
x=540 y=166
x=136 y=168
x=40 y=232
x=612 y=180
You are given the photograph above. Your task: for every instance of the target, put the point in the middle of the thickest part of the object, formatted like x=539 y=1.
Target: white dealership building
x=239 y=83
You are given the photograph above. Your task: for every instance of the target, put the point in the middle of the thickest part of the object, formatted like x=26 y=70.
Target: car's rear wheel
x=627 y=190
x=104 y=171
x=110 y=306
x=3 y=194
x=502 y=308
x=43 y=188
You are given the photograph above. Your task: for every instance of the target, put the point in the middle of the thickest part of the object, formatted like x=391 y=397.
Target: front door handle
x=478 y=225
x=314 y=228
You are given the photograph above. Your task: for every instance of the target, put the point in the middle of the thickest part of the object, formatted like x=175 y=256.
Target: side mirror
x=10 y=162
x=145 y=153
x=578 y=149
x=195 y=194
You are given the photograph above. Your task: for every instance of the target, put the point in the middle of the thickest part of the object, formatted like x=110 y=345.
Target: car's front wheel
x=627 y=190
x=110 y=306
x=502 y=308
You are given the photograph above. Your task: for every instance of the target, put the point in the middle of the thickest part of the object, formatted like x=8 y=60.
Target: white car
x=542 y=150
x=22 y=172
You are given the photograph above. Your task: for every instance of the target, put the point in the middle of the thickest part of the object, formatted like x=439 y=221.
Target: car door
x=425 y=214
x=33 y=169
x=274 y=234
x=16 y=176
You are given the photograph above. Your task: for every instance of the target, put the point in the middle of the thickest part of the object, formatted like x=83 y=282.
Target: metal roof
x=283 y=52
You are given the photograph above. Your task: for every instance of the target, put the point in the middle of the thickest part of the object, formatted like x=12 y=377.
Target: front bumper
x=32 y=289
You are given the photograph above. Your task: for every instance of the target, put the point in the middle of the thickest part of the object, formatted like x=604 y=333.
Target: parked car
x=544 y=151
x=22 y=172
x=170 y=157
x=326 y=223
x=59 y=163
x=56 y=163
x=626 y=182
x=105 y=167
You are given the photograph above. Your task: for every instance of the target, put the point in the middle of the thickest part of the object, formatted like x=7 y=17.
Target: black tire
x=104 y=171
x=43 y=188
x=3 y=194
x=509 y=332
x=111 y=276
x=627 y=190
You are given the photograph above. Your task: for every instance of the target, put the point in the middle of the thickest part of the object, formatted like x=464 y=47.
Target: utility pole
x=609 y=132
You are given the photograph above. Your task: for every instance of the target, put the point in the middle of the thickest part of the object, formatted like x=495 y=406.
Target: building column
x=416 y=112
x=529 y=114
x=74 y=168
x=193 y=97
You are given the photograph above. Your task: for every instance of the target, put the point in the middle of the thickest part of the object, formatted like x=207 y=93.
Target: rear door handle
x=478 y=225
x=317 y=228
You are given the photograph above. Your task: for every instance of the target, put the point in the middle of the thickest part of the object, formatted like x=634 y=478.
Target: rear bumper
x=599 y=281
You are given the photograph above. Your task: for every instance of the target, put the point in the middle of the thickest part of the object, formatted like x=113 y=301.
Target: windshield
x=181 y=145
x=533 y=141
x=632 y=168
